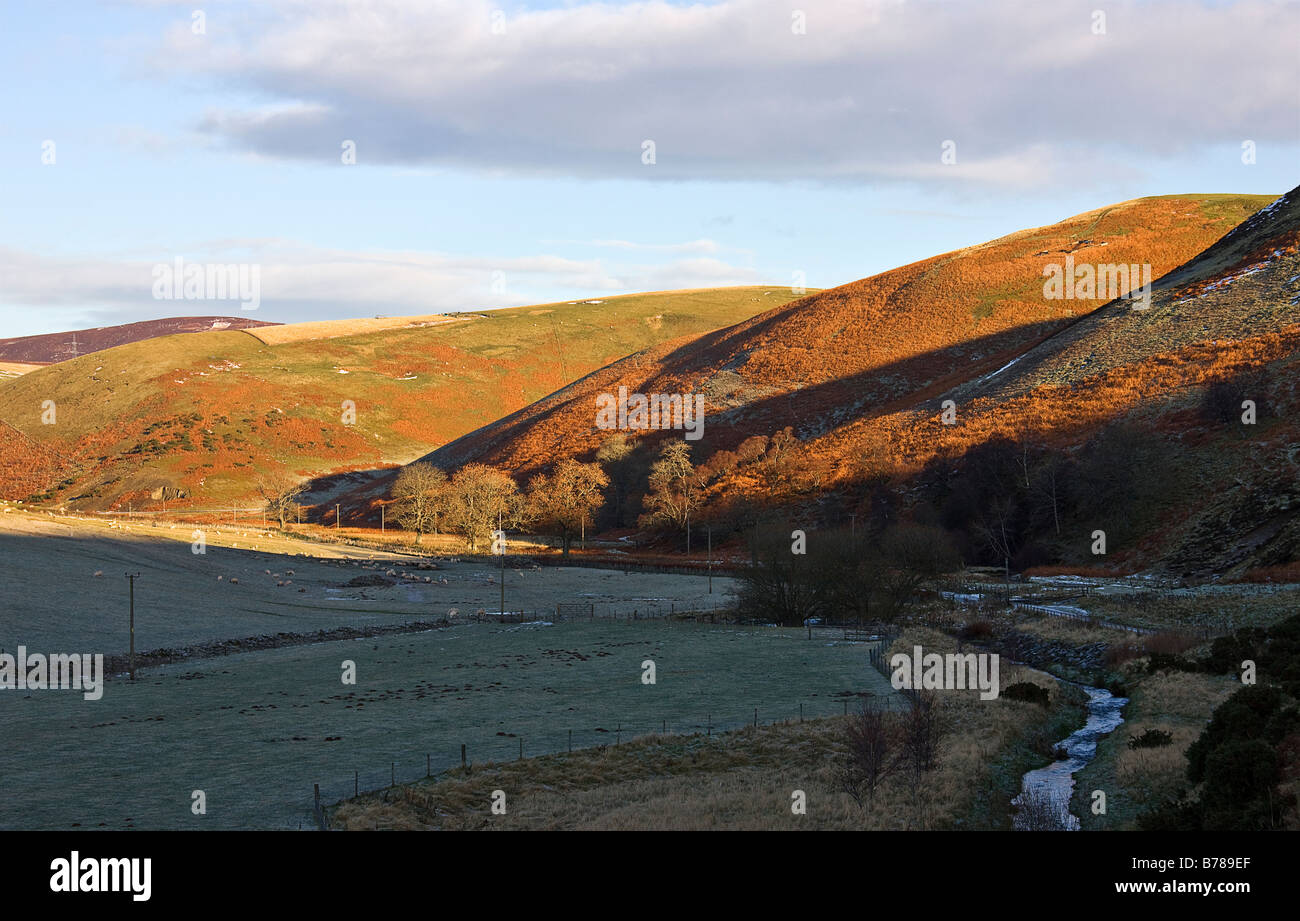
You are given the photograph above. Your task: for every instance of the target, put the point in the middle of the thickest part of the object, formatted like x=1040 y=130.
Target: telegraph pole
x=131 y=577
x=503 y=564
x=710 y=533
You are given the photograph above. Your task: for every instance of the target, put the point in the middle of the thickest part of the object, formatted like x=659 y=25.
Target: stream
x=1045 y=793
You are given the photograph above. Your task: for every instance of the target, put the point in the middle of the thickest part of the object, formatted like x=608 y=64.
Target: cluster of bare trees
x=563 y=502
x=840 y=575
x=477 y=500
x=1020 y=503
x=881 y=744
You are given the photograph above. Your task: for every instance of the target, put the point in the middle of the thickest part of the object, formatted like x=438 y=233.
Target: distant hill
x=49 y=348
x=205 y=414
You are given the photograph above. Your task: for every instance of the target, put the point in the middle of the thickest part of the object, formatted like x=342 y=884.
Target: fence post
x=394 y=781
x=756 y=717
x=356 y=784
x=801 y=711
x=570 y=741
x=428 y=765
x=521 y=748
x=316 y=808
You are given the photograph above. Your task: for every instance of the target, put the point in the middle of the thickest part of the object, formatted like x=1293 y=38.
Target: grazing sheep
x=98 y=573
x=234 y=581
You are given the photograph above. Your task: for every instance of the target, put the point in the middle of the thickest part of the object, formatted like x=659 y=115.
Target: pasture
x=254 y=731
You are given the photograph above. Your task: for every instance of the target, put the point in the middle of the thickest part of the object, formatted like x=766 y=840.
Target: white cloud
x=729 y=91
x=302 y=282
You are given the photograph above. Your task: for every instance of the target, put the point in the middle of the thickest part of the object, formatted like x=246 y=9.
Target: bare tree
x=280 y=493
x=482 y=496
x=423 y=496
x=913 y=555
x=675 y=488
x=924 y=728
x=568 y=498
x=872 y=754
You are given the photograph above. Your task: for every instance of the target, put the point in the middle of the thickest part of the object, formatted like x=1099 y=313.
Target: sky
x=391 y=158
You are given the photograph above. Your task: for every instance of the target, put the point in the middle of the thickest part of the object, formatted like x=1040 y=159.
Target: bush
x=1161 y=661
x=1028 y=692
x=1152 y=738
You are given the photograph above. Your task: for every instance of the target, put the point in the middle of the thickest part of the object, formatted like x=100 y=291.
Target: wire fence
x=483 y=751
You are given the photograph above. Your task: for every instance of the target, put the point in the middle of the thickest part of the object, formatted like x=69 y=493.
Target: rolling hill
x=860 y=374
x=53 y=347
x=833 y=357
x=196 y=418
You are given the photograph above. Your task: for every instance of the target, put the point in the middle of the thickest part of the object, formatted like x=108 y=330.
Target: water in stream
x=1045 y=793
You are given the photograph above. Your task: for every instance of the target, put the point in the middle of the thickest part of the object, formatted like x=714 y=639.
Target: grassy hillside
x=858 y=350
x=1070 y=416
x=206 y=413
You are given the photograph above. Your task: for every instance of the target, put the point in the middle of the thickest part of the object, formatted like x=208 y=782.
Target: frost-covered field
x=254 y=731
x=64 y=588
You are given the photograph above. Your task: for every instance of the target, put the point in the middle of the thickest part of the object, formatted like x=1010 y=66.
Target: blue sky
x=499 y=147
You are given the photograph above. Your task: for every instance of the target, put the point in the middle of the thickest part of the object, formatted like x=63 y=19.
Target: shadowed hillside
x=1067 y=416
x=854 y=351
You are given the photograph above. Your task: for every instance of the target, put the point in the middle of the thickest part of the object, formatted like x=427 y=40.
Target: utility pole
x=503 y=563
x=338 y=522
x=131 y=577
x=381 y=521
x=710 y=533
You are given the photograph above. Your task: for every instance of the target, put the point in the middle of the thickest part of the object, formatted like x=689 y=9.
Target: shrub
x=1152 y=738
x=1028 y=692
x=1161 y=661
